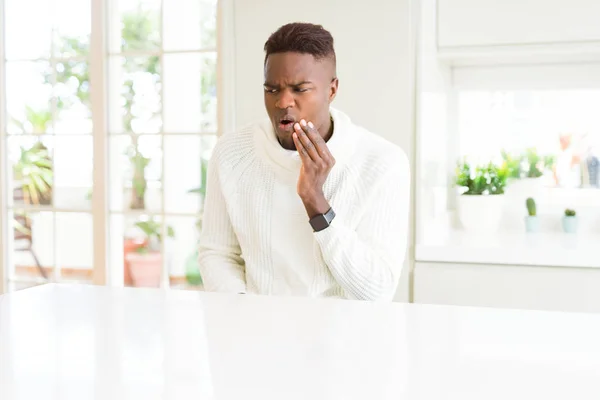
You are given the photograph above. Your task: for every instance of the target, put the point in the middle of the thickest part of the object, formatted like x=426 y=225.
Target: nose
x=285 y=100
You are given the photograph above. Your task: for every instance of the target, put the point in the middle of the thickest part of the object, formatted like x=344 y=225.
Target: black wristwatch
x=322 y=221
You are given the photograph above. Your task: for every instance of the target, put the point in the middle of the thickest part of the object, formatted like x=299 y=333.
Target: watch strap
x=322 y=221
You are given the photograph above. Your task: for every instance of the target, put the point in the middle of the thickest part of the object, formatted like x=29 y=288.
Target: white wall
x=501 y=22
x=374 y=43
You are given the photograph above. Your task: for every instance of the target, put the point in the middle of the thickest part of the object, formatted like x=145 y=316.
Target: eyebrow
x=271 y=85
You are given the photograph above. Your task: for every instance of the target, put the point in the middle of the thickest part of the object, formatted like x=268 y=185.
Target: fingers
x=316 y=140
x=320 y=144
x=301 y=150
x=307 y=143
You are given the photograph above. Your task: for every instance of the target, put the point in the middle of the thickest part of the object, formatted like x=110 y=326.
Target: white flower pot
x=480 y=214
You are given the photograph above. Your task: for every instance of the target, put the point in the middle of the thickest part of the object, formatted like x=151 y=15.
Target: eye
x=301 y=90
x=270 y=91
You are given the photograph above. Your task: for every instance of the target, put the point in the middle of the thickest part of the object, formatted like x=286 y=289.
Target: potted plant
x=531 y=220
x=139 y=184
x=145 y=263
x=33 y=175
x=481 y=199
x=569 y=221
x=513 y=166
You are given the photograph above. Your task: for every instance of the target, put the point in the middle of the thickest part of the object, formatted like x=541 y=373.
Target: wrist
x=315 y=203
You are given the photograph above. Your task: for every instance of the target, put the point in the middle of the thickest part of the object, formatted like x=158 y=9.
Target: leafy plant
x=570 y=213
x=138 y=181
x=512 y=165
x=153 y=232
x=481 y=180
x=529 y=164
x=34 y=172
x=549 y=161
x=535 y=163
x=531 y=208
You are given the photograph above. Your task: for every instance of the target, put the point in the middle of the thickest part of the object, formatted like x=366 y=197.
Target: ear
x=333 y=88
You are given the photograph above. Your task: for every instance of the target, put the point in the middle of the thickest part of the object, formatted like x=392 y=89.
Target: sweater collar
x=341 y=144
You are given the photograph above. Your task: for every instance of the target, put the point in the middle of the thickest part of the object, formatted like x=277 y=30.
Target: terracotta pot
x=130 y=246
x=145 y=269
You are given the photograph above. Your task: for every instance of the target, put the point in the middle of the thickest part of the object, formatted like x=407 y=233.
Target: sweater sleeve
x=219 y=256
x=367 y=262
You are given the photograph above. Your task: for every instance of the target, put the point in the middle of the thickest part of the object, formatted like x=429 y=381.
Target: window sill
x=550 y=249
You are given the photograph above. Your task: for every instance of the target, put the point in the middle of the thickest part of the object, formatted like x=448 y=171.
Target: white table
x=83 y=342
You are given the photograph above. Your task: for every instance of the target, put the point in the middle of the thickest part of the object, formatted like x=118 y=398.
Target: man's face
x=298 y=87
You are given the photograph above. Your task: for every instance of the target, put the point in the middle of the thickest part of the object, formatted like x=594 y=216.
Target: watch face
x=319 y=223
x=322 y=221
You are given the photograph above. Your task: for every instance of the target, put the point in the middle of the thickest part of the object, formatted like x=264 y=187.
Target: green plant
x=536 y=167
x=201 y=190
x=34 y=172
x=531 y=208
x=512 y=165
x=481 y=180
x=529 y=164
x=138 y=181
x=138 y=30
x=192 y=270
x=153 y=233
x=549 y=161
x=570 y=213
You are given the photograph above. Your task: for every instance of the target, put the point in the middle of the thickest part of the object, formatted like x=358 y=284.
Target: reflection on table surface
x=86 y=342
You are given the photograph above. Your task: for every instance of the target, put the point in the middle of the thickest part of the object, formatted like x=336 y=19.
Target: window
x=537 y=123
x=161 y=108
x=552 y=133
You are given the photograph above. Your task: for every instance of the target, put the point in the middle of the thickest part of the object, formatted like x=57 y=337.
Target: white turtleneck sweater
x=256 y=237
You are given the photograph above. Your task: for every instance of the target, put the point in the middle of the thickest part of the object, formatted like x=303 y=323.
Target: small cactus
x=531 y=207
x=570 y=213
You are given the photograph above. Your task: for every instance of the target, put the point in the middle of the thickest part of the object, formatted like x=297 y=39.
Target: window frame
x=104 y=272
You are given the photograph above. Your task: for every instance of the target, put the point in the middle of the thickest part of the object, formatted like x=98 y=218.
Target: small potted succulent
x=569 y=221
x=532 y=223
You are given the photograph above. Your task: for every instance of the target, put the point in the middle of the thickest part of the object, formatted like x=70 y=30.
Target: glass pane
x=72 y=93
x=141 y=249
x=28 y=94
x=190 y=24
x=32 y=177
x=552 y=135
x=73 y=171
x=138 y=27
x=181 y=252
x=186 y=162
x=135 y=173
x=190 y=93
x=28 y=29
x=33 y=234
x=183 y=174
x=72 y=27
x=74 y=246
x=134 y=95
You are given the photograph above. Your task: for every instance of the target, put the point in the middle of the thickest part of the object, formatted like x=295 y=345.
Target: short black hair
x=300 y=37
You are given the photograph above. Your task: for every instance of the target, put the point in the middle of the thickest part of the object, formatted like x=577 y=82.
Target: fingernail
x=303 y=122
x=297 y=126
x=310 y=124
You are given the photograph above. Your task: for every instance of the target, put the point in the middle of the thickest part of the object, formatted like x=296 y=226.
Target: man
x=305 y=203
